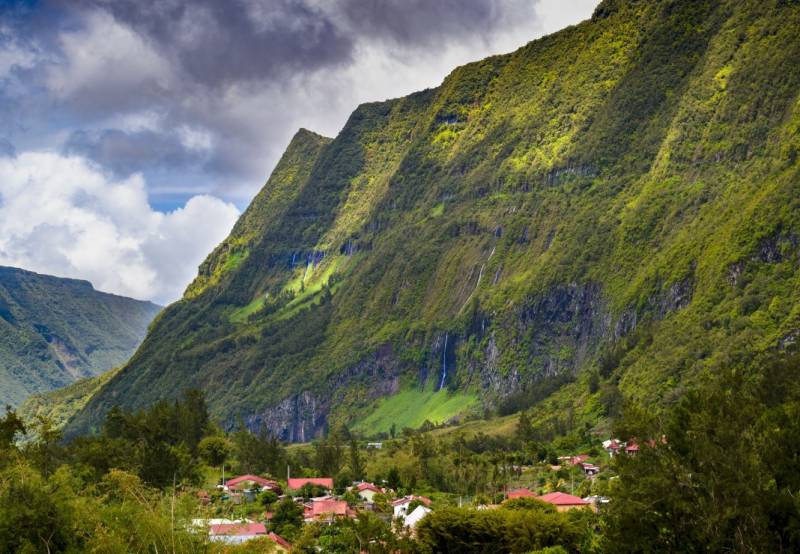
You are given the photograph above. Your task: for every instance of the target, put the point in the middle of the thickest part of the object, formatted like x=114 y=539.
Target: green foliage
x=54 y=331
x=258 y=453
x=287 y=518
x=214 y=450
x=722 y=477
x=501 y=530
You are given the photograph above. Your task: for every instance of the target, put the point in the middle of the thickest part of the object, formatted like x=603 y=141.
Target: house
x=326 y=510
x=248 y=482
x=367 y=491
x=236 y=533
x=375 y=445
x=400 y=506
x=203 y=497
x=563 y=501
x=415 y=516
x=520 y=493
x=631 y=449
x=579 y=459
x=612 y=446
x=299 y=482
x=589 y=469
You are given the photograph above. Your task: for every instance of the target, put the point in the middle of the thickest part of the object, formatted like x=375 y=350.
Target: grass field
x=410 y=408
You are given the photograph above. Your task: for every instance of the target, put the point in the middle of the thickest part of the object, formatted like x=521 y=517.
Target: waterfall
x=444 y=363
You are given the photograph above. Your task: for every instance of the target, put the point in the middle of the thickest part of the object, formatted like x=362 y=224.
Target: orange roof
x=280 y=540
x=261 y=481
x=238 y=529
x=520 y=493
x=368 y=487
x=322 y=507
x=562 y=499
x=298 y=482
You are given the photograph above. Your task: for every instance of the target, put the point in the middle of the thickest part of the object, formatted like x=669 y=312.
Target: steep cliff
x=615 y=204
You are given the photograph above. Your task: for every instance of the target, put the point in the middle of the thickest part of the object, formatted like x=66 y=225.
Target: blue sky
x=133 y=132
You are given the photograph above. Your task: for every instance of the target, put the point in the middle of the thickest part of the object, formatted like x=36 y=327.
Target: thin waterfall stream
x=444 y=363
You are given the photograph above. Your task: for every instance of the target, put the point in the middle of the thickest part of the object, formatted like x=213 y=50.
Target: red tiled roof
x=520 y=493
x=578 y=459
x=632 y=447
x=368 y=487
x=261 y=481
x=280 y=540
x=562 y=499
x=322 y=507
x=411 y=498
x=297 y=483
x=238 y=529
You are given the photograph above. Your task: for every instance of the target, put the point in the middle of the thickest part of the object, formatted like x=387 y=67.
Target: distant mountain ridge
x=55 y=331
x=606 y=213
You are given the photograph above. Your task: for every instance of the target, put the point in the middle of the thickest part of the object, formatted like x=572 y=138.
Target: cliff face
x=55 y=331
x=615 y=203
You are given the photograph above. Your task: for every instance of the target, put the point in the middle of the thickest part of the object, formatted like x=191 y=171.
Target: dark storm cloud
x=418 y=23
x=128 y=152
x=218 y=42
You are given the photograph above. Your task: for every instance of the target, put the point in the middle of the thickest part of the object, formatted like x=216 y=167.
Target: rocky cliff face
x=617 y=200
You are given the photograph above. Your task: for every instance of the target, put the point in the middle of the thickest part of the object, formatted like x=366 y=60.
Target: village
x=248 y=507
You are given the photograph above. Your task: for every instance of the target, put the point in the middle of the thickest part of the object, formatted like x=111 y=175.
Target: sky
x=134 y=132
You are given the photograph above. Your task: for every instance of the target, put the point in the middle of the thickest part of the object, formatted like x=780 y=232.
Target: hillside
x=609 y=212
x=54 y=331
x=60 y=405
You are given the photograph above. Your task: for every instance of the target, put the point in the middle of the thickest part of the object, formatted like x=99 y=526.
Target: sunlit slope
x=619 y=200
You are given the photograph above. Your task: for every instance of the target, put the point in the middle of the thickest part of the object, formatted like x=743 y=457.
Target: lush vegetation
x=714 y=473
x=55 y=331
x=603 y=216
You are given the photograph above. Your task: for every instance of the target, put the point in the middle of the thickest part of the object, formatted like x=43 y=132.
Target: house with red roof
x=298 y=482
x=520 y=493
x=236 y=533
x=367 y=491
x=282 y=543
x=401 y=505
x=612 y=446
x=631 y=448
x=248 y=482
x=579 y=459
x=327 y=510
x=563 y=501
x=589 y=469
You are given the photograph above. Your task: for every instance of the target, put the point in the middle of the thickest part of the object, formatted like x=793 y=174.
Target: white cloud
x=62 y=216
x=111 y=62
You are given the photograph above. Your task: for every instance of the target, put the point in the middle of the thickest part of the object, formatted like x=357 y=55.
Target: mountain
x=60 y=405
x=54 y=331
x=609 y=212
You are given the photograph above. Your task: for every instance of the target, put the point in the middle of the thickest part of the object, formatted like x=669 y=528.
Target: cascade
x=444 y=363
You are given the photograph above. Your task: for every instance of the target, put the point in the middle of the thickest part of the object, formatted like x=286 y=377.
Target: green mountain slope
x=615 y=204
x=54 y=331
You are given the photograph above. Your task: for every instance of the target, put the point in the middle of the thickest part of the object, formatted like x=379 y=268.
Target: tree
x=356 y=461
x=214 y=450
x=393 y=479
x=258 y=453
x=267 y=498
x=10 y=426
x=287 y=519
